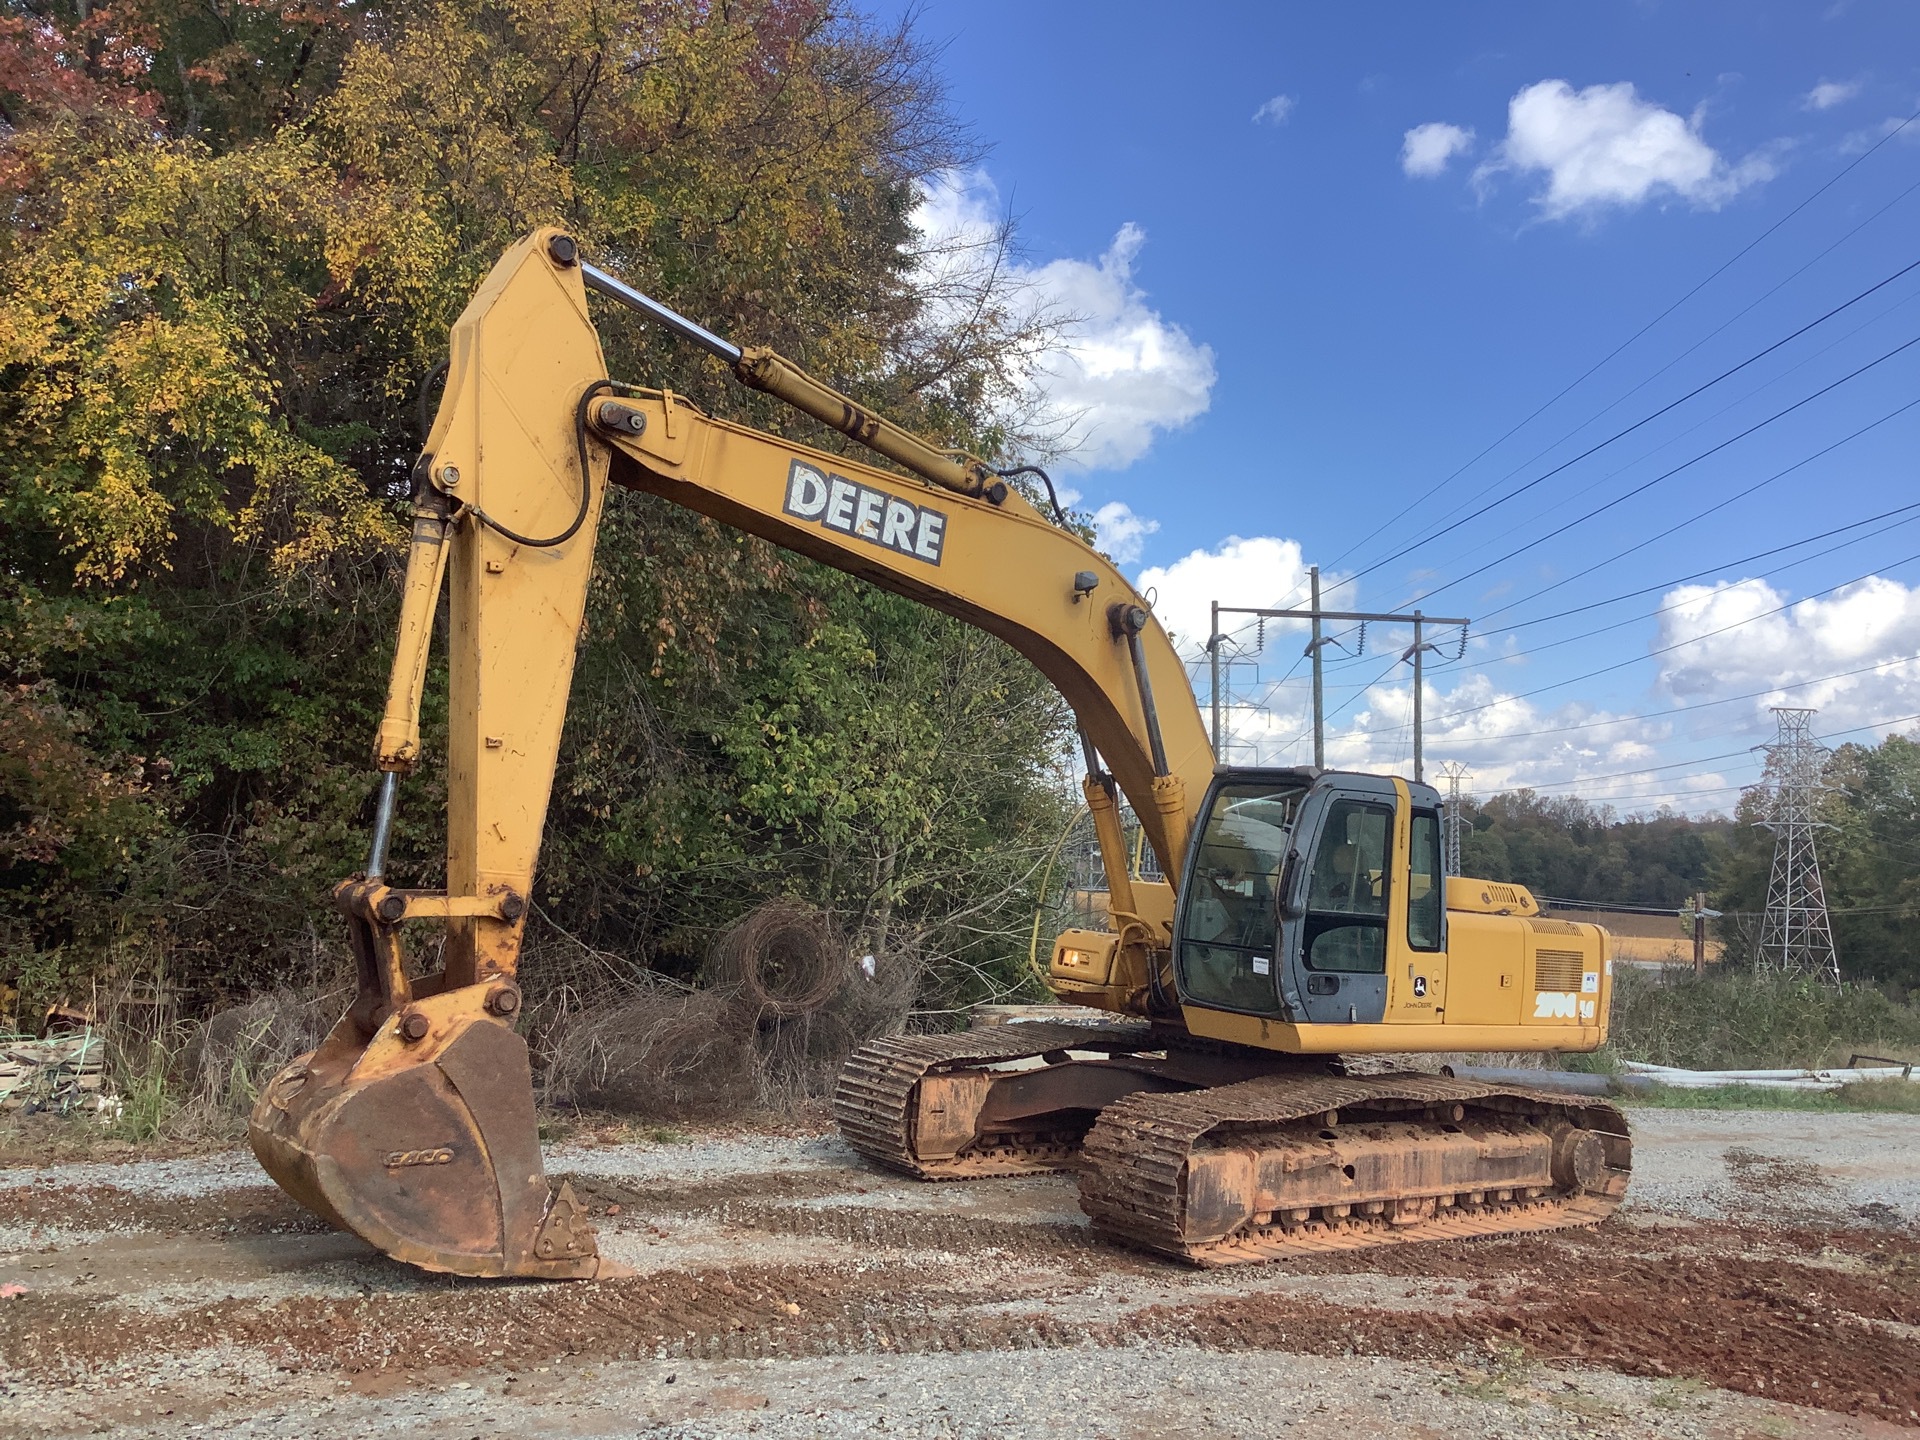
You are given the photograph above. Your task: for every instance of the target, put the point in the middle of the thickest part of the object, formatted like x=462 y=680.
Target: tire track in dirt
x=246 y=1210
x=780 y=1208
x=1801 y=1314
x=1616 y=1299
x=1786 y=1332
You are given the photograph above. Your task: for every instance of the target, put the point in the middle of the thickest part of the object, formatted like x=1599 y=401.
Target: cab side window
x=1346 y=922
x=1426 y=886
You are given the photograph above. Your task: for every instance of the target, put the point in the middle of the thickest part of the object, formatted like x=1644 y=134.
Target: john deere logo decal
x=838 y=503
x=433 y=1155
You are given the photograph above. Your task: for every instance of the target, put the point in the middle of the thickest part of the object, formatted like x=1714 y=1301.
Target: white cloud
x=1858 y=626
x=1260 y=571
x=1873 y=625
x=1427 y=149
x=1871 y=135
x=1829 y=93
x=1123 y=372
x=1120 y=532
x=1605 y=146
x=1275 y=111
x=1120 y=373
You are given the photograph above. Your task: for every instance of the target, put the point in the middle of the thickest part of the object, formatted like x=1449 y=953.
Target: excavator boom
x=412 y=1124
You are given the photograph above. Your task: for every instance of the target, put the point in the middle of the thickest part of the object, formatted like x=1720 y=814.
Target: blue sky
x=1325 y=256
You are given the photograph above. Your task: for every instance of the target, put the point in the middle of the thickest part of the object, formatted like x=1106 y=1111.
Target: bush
x=1738 y=1021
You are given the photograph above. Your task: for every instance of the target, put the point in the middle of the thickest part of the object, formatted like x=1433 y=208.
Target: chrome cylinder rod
x=614 y=288
x=383 y=825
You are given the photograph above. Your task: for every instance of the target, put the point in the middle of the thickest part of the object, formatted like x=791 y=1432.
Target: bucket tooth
x=426 y=1148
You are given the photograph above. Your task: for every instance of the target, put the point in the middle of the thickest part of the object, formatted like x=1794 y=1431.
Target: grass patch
x=1506 y=1377
x=1684 y=1392
x=1901 y=1097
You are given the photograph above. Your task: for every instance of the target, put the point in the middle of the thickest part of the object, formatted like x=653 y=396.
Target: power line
x=1681 y=604
x=1669 y=474
x=1678 y=709
x=1611 y=354
x=1638 y=424
x=1747 y=309
x=1713 y=509
x=1730 y=564
x=1496 y=536
x=1663 y=650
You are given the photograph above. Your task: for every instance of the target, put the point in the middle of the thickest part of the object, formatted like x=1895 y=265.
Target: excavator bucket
x=429 y=1153
x=412 y=1126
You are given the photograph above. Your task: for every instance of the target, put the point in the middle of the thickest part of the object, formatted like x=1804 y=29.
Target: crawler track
x=1140 y=1156
x=873 y=1102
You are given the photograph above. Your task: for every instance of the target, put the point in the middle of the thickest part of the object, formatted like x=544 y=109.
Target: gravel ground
x=672 y=1160
x=1077 y=1394
x=1744 y=1164
x=201 y=1175
x=1764 y=1280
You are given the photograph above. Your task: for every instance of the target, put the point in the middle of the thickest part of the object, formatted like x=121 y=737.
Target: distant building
x=1645 y=939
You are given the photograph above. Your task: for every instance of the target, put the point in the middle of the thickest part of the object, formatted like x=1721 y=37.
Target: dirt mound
x=1618 y=1299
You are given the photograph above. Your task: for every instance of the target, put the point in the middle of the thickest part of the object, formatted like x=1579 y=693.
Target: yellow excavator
x=1236 y=1108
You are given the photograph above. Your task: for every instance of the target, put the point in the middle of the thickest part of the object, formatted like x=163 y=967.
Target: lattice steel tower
x=1795 y=938
x=1455 y=773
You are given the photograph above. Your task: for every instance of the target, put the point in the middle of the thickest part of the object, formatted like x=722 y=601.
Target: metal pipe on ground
x=1566 y=1081
x=1829 y=1079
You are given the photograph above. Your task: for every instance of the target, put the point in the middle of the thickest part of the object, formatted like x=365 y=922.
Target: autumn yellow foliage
x=237 y=233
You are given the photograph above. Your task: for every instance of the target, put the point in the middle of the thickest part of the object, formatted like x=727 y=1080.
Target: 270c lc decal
x=1551 y=1005
x=838 y=503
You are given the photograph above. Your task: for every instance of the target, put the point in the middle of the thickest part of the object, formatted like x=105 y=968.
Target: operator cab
x=1302 y=889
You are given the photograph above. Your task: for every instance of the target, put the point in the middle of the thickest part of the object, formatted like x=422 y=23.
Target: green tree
x=1870 y=860
x=236 y=238
x=1567 y=847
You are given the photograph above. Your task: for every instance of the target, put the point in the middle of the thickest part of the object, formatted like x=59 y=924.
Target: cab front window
x=1229 y=914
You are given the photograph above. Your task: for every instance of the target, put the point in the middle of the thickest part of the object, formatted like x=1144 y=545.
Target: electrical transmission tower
x=1795 y=938
x=1455 y=773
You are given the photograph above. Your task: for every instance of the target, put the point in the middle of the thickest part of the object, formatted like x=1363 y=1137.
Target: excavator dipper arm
x=413 y=1125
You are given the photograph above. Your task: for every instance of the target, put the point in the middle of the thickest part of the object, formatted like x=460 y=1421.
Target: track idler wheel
x=423 y=1142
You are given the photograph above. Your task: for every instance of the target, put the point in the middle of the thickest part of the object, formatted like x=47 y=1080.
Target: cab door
x=1339 y=902
x=1417 y=927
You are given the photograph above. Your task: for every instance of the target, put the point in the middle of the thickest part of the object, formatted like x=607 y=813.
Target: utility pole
x=1697 y=914
x=1455 y=773
x=1213 y=688
x=1316 y=615
x=1416 y=653
x=1795 y=936
x=1319 y=703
